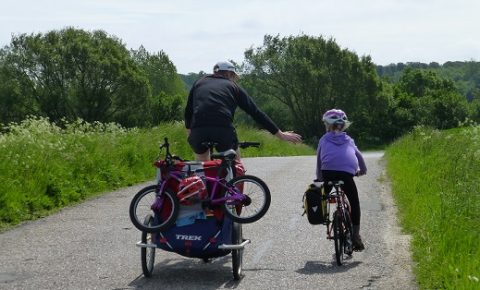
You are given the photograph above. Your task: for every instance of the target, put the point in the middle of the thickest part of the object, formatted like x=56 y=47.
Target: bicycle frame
x=233 y=198
x=340 y=201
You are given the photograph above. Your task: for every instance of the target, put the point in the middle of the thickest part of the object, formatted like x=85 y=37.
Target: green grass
x=436 y=183
x=44 y=168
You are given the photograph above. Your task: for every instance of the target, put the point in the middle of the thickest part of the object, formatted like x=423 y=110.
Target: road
x=92 y=245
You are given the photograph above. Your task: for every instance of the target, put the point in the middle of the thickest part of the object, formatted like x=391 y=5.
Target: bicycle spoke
x=255 y=202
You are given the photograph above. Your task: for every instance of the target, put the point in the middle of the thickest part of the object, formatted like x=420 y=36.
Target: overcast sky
x=195 y=34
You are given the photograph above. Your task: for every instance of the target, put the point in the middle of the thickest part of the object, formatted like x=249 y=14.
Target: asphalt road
x=92 y=245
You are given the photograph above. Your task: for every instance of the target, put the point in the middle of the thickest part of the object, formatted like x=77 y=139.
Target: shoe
x=358 y=245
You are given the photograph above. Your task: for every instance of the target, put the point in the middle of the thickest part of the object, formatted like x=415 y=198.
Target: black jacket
x=212 y=102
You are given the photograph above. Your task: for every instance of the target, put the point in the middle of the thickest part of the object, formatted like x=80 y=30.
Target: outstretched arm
x=246 y=103
x=289 y=136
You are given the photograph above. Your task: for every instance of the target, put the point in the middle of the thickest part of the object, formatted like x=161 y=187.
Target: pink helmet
x=335 y=117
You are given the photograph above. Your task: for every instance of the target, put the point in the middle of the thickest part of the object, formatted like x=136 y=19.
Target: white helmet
x=336 y=117
x=225 y=66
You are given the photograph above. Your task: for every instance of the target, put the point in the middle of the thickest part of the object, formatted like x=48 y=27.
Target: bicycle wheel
x=237 y=255
x=348 y=229
x=165 y=213
x=338 y=237
x=257 y=201
x=147 y=255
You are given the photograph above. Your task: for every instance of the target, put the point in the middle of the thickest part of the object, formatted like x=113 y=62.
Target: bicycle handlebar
x=169 y=157
x=247 y=144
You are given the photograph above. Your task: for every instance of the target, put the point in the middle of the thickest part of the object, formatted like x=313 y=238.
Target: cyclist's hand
x=289 y=136
x=361 y=172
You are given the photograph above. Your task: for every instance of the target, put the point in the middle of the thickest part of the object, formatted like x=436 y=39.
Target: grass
x=436 y=185
x=45 y=168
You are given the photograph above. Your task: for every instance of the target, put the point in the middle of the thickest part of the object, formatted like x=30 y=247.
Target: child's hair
x=335 y=119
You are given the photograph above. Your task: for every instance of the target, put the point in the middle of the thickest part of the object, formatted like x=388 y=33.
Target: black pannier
x=315 y=204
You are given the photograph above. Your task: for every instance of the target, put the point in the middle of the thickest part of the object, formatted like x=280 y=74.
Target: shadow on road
x=320 y=267
x=189 y=274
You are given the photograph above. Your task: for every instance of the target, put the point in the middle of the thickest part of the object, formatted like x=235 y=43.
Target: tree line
x=71 y=73
x=297 y=78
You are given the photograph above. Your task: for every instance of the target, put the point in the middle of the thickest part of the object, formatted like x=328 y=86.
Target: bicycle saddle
x=229 y=154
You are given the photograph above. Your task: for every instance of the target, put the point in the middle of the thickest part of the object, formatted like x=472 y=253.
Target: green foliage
x=424 y=98
x=73 y=74
x=190 y=78
x=160 y=71
x=309 y=75
x=435 y=182
x=275 y=109
x=466 y=75
x=45 y=167
x=168 y=92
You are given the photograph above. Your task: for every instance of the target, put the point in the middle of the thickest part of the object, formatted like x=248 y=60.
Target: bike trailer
x=198 y=232
x=199 y=238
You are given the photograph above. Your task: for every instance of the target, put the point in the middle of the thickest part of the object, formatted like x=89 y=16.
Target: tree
x=310 y=75
x=429 y=99
x=73 y=73
x=160 y=71
x=190 y=78
x=168 y=90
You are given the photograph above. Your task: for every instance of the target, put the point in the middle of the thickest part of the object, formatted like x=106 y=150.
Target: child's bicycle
x=339 y=223
x=244 y=199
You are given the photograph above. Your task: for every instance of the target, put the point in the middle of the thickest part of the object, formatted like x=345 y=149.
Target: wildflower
x=473 y=278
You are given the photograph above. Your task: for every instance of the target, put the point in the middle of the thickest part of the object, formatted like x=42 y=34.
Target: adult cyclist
x=210 y=110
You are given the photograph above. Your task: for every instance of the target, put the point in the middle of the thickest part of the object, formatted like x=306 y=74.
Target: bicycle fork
x=158 y=203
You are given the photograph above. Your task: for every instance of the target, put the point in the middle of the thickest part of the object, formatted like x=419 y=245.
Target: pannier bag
x=315 y=204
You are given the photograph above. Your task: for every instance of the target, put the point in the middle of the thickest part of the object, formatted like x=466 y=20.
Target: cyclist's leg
x=202 y=157
x=195 y=139
x=351 y=191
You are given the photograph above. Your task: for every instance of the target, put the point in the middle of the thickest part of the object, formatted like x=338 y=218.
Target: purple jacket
x=337 y=151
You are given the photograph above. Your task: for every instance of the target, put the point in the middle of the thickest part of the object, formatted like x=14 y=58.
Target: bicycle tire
x=147 y=255
x=140 y=207
x=257 y=192
x=338 y=237
x=237 y=255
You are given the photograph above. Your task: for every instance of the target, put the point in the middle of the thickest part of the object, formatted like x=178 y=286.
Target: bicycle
x=340 y=222
x=244 y=199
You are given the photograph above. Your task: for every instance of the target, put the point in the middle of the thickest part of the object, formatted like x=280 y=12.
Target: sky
x=196 y=34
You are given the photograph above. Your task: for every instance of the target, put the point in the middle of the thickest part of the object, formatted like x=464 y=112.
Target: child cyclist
x=338 y=158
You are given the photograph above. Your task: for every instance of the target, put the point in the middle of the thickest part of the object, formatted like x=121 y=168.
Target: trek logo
x=189 y=238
